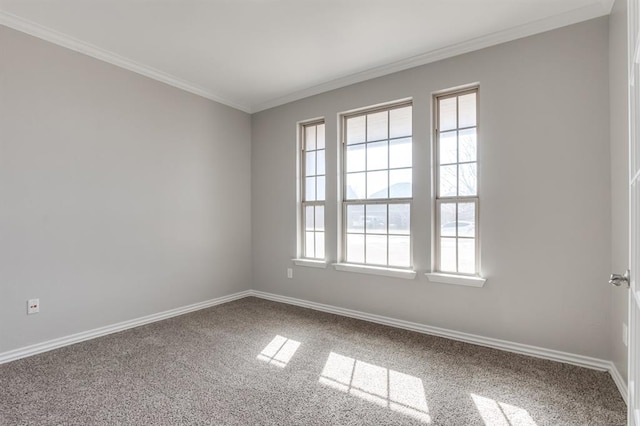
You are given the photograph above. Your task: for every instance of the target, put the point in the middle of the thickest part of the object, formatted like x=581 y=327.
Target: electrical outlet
x=625 y=334
x=33 y=306
x=289 y=272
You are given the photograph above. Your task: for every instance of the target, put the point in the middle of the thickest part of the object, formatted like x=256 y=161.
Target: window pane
x=309 y=244
x=356 y=158
x=376 y=169
x=448 y=148
x=448 y=219
x=320 y=137
x=355 y=218
x=320 y=162
x=399 y=251
x=468 y=179
x=310 y=138
x=400 y=183
x=400 y=153
x=399 y=218
x=467 y=106
x=378 y=184
x=377 y=156
x=320 y=245
x=466 y=220
x=467 y=145
x=308 y=218
x=355 y=129
x=466 y=255
x=319 y=218
x=355 y=248
x=310 y=189
x=457 y=176
x=448 y=254
x=376 y=249
x=448 y=181
x=355 y=186
x=376 y=219
x=447 y=114
x=377 y=126
x=310 y=164
x=400 y=124
x=320 y=190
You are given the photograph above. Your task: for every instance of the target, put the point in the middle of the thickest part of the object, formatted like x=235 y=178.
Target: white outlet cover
x=33 y=306
x=289 y=272
x=625 y=334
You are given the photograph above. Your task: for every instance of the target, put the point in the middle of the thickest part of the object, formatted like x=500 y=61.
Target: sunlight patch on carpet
x=379 y=385
x=501 y=414
x=279 y=351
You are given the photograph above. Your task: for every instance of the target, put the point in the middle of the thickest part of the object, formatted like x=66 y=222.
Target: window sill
x=466 y=280
x=375 y=270
x=310 y=263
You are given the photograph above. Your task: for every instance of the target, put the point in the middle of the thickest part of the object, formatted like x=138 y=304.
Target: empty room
x=306 y=212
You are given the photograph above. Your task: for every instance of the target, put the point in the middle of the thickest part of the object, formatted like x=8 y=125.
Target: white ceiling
x=255 y=54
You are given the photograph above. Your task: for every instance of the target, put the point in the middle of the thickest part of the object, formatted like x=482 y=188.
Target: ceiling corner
x=52 y=36
x=607 y=5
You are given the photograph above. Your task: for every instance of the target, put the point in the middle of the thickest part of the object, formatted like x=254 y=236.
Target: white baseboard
x=102 y=331
x=619 y=381
x=535 y=351
x=519 y=348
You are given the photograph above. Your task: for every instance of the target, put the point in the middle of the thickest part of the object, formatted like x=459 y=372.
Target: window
x=313 y=189
x=456 y=179
x=377 y=186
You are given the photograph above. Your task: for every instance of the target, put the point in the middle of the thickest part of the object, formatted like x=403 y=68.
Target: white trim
x=114 y=328
x=465 y=280
x=594 y=10
x=619 y=381
x=310 y=263
x=538 y=352
x=23 y=25
x=376 y=270
x=519 y=348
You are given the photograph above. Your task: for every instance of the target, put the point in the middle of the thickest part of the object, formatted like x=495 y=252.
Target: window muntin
x=377 y=190
x=313 y=190
x=456 y=178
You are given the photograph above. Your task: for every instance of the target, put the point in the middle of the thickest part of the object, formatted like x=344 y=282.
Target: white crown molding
x=20 y=24
x=114 y=328
x=594 y=10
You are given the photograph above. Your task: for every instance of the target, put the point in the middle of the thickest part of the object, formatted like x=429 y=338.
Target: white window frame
x=449 y=277
x=302 y=258
x=369 y=268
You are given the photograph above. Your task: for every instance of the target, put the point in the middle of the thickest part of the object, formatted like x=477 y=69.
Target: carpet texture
x=256 y=362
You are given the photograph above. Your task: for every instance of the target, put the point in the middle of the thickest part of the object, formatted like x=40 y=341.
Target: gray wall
x=119 y=196
x=545 y=188
x=619 y=177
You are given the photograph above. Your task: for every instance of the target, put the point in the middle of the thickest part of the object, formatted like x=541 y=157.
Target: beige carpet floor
x=256 y=362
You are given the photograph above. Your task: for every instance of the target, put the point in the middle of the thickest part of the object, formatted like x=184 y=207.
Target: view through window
x=377 y=192
x=313 y=190
x=456 y=176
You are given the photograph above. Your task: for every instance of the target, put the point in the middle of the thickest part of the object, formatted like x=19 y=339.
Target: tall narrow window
x=377 y=191
x=456 y=178
x=313 y=190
